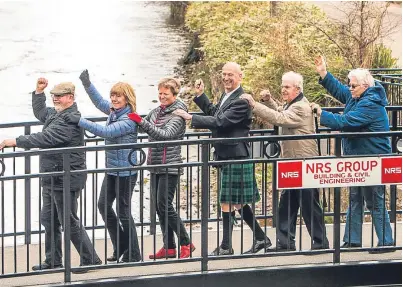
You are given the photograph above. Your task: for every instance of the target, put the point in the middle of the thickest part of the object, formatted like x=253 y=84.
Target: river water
x=126 y=41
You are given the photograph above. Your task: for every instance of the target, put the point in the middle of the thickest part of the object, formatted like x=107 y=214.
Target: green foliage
x=265 y=46
x=382 y=58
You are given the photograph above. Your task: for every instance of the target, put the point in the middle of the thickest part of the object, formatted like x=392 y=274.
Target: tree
x=360 y=27
x=266 y=46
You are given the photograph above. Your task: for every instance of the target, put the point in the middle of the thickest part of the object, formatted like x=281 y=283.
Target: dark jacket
x=119 y=129
x=56 y=133
x=364 y=114
x=232 y=120
x=162 y=125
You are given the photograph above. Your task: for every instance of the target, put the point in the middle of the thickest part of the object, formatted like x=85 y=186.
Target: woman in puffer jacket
x=119 y=185
x=161 y=125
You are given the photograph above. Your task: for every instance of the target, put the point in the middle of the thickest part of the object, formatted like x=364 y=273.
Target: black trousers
x=311 y=213
x=170 y=222
x=79 y=236
x=121 y=228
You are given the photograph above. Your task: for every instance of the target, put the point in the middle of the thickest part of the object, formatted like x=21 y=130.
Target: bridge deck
x=176 y=267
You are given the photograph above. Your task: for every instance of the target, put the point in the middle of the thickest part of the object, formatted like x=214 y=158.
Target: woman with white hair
x=364 y=111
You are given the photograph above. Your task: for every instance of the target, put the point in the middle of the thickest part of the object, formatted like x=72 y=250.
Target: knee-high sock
x=250 y=219
x=227 y=229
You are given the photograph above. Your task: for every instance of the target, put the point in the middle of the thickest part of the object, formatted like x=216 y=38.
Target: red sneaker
x=164 y=253
x=186 y=249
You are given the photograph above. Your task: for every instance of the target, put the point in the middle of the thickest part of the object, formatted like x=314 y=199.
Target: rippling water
x=121 y=41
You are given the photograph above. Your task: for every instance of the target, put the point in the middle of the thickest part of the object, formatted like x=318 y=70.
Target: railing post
x=27 y=183
x=274 y=187
x=66 y=215
x=393 y=187
x=205 y=206
x=153 y=204
x=336 y=218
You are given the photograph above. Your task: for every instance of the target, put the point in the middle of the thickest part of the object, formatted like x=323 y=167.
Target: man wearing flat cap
x=58 y=133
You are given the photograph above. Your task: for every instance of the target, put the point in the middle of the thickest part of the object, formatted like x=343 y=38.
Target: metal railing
x=199 y=174
x=96 y=161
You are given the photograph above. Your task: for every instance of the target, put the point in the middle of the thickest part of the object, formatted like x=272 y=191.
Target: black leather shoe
x=44 y=266
x=350 y=245
x=81 y=271
x=220 y=251
x=259 y=245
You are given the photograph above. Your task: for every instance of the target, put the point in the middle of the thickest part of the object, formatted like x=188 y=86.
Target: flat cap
x=63 y=88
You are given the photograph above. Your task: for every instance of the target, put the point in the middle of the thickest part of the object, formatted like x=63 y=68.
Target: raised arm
x=99 y=102
x=330 y=83
x=336 y=89
x=41 y=112
x=202 y=101
x=267 y=100
x=205 y=105
x=114 y=130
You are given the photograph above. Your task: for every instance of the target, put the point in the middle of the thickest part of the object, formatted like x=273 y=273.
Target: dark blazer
x=232 y=120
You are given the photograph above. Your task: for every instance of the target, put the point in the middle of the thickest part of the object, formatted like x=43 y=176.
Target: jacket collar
x=121 y=111
x=296 y=99
x=72 y=108
x=235 y=94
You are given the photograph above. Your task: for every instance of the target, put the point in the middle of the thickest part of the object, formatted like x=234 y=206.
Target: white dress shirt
x=227 y=95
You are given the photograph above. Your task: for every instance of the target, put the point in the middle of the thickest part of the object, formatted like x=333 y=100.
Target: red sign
x=289 y=174
x=392 y=170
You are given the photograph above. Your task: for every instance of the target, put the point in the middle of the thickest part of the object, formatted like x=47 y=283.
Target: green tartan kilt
x=238 y=185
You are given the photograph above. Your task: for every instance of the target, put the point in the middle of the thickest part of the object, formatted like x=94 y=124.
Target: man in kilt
x=231 y=118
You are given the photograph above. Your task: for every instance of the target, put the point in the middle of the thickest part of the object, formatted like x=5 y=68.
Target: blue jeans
x=374 y=201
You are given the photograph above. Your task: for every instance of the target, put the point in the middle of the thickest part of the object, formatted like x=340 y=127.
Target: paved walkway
x=177 y=267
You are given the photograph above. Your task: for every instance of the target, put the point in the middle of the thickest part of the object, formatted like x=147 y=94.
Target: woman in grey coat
x=161 y=125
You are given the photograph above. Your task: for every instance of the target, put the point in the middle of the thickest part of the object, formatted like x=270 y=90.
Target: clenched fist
x=85 y=78
x=265 y=95
x=41 y=85
x=199 y=87
x=320 y=63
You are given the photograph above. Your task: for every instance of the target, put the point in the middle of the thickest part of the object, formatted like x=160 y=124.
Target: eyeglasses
x=353 y=86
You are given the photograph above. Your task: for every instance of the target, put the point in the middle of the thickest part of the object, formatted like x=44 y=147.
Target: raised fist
x=85 y=79
x=320 y=63
x=199 y=87
x=265 y=95
x=41 y=85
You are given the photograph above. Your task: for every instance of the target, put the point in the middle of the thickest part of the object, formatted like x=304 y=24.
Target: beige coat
x=296 y=120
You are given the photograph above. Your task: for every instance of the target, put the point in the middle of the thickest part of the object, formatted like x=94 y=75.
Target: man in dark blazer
x=231 y=118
